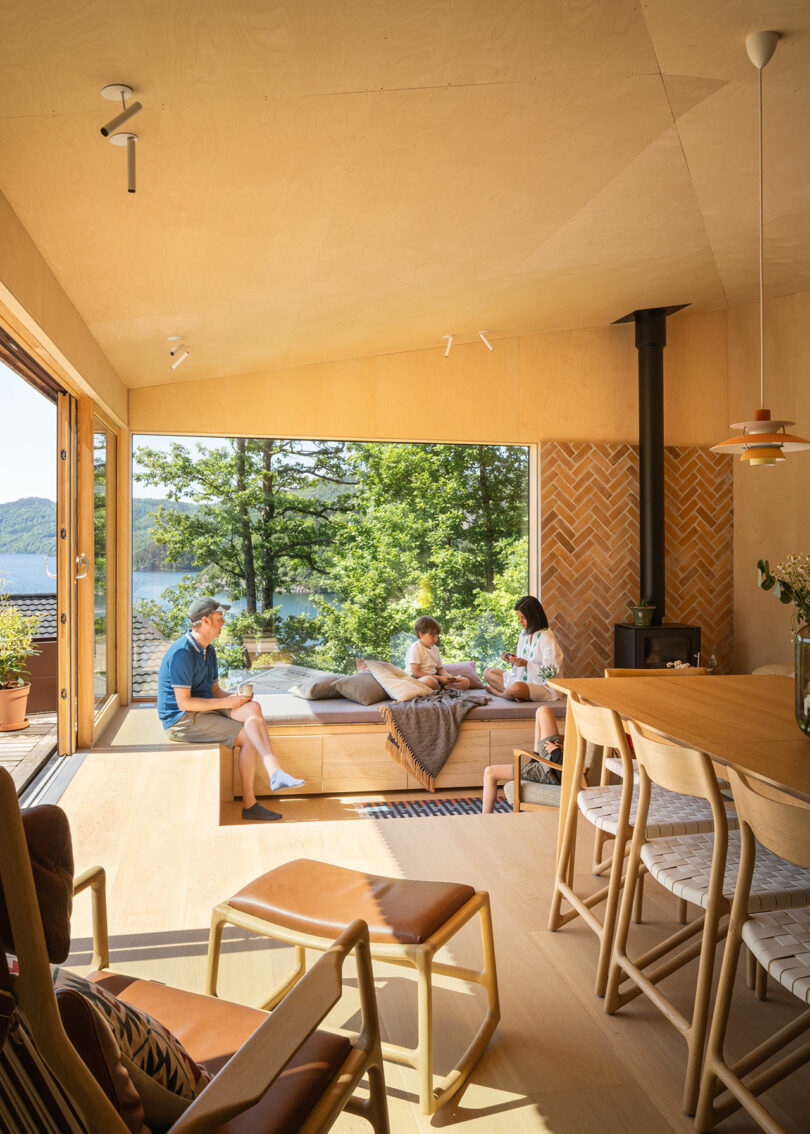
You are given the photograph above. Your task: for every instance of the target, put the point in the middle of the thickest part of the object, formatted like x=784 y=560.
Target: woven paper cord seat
x=307 y=903
x=771 y=824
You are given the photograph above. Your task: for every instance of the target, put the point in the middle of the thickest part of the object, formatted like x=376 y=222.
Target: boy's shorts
x=213 y=727
x=538 y=773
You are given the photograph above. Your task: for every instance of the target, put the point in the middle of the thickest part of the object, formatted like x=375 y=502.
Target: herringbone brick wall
x=589 y=546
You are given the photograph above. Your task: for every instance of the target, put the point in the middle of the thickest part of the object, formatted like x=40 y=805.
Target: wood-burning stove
x=654 y=647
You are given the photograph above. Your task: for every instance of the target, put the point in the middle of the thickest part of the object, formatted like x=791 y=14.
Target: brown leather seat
x=213 y=1030
x=321 y=899
x=307 y=904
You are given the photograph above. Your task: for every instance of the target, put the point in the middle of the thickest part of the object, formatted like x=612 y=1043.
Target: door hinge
x=63 y=694
x=63 y=454
x=63 y=619
x=63 y=533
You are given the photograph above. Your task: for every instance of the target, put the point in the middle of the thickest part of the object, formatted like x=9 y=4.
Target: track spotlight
x=129 y=141
x=113 y=92
x=483 y=337
x=449 y=344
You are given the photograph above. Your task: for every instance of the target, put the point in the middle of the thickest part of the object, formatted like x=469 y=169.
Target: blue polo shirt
x=187 y=664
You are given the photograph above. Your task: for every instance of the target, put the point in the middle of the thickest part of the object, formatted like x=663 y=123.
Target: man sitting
x=194 y=710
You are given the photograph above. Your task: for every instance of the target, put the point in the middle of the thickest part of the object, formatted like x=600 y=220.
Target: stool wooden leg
x=219 y=920
x=424 y=1043
x=281 y=990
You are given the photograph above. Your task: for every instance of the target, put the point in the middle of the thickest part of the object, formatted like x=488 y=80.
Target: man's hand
x=236 y=701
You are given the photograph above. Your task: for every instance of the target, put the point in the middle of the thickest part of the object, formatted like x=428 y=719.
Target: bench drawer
x=359 y=762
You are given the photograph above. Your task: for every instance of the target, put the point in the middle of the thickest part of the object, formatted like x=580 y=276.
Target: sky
x=28 y=450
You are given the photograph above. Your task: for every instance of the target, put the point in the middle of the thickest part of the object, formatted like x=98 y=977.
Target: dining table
x=743 y=721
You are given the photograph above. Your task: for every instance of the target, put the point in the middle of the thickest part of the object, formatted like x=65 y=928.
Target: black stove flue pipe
x=651 y=338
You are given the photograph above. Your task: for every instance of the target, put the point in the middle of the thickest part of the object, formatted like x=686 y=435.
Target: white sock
x=281 y=779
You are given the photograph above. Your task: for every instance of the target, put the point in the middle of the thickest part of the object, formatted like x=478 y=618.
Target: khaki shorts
x=213 y=727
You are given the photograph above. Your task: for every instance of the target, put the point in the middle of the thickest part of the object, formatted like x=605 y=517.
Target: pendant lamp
x=762 y=441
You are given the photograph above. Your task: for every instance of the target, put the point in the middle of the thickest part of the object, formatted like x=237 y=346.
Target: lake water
x=26 y=575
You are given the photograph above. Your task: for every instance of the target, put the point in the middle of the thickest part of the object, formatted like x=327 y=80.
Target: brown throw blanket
x=423 y=731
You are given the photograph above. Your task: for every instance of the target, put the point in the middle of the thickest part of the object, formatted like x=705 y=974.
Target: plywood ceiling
x=326 y=179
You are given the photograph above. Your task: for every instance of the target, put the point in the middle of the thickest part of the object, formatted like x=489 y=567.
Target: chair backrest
x=778 y=821
x=602 y=727
x=676 y=768
x=683 y=671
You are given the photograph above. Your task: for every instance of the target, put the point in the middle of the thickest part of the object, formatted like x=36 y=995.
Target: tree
x=434 y=527
x=261 y=518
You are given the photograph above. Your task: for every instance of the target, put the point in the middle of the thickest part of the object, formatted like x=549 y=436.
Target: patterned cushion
x=149 y=1051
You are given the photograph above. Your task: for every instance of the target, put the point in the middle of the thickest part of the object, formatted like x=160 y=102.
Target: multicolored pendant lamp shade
x=762 y=441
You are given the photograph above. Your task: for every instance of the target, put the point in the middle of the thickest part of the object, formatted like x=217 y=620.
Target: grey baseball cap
x=202 y=607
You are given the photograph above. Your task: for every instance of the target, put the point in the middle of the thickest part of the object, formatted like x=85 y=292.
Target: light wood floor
x=557 y=1063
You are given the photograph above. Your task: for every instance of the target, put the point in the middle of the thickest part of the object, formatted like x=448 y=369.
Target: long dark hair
x=533 y=612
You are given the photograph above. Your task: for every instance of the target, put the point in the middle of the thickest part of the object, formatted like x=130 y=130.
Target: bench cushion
x=282 y=709
x=319 y=899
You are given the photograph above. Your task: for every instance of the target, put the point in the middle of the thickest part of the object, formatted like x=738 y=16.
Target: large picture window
x=327 y=550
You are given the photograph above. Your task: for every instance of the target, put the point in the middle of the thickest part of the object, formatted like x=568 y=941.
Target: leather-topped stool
x=308 y=904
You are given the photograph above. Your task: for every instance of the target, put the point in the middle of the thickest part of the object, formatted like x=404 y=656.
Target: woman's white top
x=425 y=656
x=538 y=649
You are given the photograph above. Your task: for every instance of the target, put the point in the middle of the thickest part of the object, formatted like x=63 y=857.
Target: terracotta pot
x=13 y=703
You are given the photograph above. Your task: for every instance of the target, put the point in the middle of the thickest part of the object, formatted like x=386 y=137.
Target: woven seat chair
x=700 y=868
x=611 y=808
x=780 y=942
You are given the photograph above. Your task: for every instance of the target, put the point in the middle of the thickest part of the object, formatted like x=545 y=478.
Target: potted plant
x=790 y=582
x=17 y=632
x=642 y=611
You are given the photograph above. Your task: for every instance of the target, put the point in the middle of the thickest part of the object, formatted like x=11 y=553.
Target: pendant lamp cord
x=761 y=262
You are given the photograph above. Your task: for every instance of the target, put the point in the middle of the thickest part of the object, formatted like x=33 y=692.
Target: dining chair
x=780 y=942
x=699 y=867
x=611 y=808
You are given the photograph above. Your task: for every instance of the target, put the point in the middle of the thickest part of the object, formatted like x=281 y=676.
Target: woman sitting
x=538 y=653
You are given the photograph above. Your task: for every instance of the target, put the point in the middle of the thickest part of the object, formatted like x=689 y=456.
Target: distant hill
x=28 y=526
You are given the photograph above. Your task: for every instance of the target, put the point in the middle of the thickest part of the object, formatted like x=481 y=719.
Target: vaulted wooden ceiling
x=324 y=179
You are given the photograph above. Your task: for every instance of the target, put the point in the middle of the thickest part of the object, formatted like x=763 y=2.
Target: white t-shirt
x=425 y=656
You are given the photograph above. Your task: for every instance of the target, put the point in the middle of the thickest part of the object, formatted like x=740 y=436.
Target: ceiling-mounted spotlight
x=449 y=344
x=179 y=354
x=483 y=337
x=129 y=141
x=113 y=92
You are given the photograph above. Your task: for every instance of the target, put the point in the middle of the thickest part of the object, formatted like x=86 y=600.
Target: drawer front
x=466 y=763
x=301 y=756
x=359 y=762
x=503 y=742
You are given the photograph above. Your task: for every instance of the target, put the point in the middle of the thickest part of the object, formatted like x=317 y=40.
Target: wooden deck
x=556 y=1065
x=23 y=753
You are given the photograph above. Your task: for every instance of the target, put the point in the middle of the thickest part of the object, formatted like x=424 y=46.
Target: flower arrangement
x=790 y=582
x=546 y=672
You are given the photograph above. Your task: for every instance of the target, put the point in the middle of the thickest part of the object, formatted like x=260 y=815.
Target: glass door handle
x=82 y=566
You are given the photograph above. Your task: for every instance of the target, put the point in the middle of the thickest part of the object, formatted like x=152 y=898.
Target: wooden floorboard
x=557 y=1063
x=23 y=752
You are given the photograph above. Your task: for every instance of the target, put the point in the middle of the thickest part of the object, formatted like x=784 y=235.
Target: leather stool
x=307 y=904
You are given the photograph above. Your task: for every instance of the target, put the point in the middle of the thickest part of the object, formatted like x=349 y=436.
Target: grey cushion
x=318 y=687
x=362 y=688
x=530 y=792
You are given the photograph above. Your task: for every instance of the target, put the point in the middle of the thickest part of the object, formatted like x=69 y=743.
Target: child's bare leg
x=460 y=683
x=545 y=724
x=428 y=679
x=493 y=677
x=492 y=775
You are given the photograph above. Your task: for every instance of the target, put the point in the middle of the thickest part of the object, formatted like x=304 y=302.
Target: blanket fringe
x=399 y=751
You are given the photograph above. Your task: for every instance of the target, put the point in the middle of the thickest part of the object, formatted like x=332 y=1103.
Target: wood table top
x=747 y=721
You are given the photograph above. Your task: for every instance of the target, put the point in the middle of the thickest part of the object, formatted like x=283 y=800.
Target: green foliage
x=168 y=614
x=28 y=526
x=17 y=632
x=790 y=582
x=252 y=521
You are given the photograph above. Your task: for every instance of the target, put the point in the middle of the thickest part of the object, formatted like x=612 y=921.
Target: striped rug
x=426 y=808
